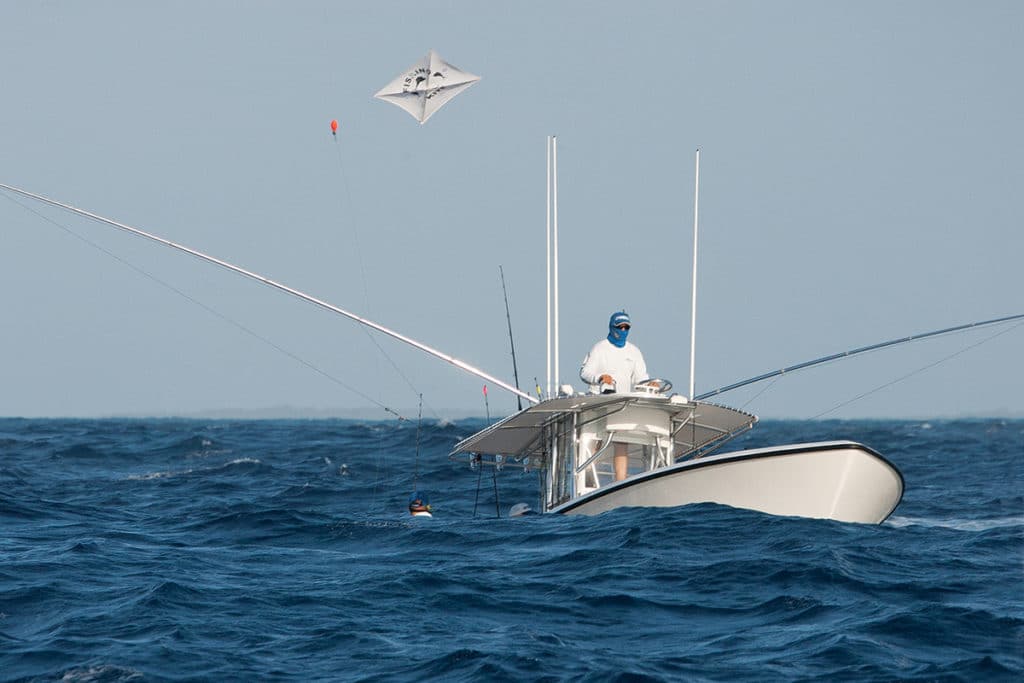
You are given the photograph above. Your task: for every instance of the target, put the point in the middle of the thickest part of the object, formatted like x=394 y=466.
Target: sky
x=861 y=166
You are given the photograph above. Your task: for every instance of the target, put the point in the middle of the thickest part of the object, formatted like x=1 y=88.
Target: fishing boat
x=645 y=446
x=648 y=448
x=670 y=446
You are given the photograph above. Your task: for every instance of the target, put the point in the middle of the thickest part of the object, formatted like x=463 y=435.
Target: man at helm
x=613 y=363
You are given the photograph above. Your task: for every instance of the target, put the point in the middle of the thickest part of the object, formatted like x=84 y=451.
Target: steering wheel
x=654 y=386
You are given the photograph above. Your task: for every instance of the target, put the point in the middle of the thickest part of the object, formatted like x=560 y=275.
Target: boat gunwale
x=735 y=456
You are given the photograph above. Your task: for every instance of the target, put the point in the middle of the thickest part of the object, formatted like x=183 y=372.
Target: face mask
x=617 y=337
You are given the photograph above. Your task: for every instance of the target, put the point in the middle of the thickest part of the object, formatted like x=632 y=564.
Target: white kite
x=426 y=86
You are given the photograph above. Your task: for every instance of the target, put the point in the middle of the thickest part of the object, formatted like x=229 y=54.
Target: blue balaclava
x=616 y=336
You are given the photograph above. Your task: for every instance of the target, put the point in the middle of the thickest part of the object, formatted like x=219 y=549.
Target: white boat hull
x=839 y=480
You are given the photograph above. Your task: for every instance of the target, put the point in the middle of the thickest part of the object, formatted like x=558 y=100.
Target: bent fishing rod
x=854 y=352
x=462 y=365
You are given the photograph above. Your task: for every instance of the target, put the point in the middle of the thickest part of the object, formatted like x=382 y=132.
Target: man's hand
x=605 y=379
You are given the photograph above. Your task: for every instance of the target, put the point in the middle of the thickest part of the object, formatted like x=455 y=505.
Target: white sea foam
x=208 y=452
x=178 y=473
x=101 y=672
x=958 y=524
x=243 y=461
x=157 y=475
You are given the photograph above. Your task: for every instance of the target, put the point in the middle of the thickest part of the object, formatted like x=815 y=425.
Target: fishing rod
x=462 y=365
x=494 y=470
x=511 y=340
x=857 y=351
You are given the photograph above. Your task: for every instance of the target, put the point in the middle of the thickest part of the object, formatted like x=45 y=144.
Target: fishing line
x=754 y=397
x=479 y=480
x=353 y=223
x=854 y=352
x=383 y=474
x=382 y=467
x=823 y=364
x=207 y=308
x=354 y=231
x=494 y=470
x=497 y=502
x=919 y=370
x=416 y=469
x=362 y=272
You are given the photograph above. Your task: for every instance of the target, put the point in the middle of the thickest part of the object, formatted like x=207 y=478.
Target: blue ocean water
x=174 y=550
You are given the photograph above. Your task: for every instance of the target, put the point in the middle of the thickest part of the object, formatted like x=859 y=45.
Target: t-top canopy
x=695 y=424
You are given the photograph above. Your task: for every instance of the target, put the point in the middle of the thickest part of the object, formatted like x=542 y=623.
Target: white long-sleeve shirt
x=625 y=365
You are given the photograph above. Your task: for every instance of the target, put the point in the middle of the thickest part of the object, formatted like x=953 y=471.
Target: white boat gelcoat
x=668 y=441
x=840 y=480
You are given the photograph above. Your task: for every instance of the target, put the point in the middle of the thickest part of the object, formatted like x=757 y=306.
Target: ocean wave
x=165 y=474
x=126 y=558
x=958 y=524
x=170 y=593
x=101 y=673
x=19 y=509
x=81 y=451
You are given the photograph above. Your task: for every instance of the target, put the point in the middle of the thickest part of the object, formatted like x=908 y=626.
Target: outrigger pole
x=553 y=380
x=854 y=352
x=462 y=365
x=547 y=342
x=554 y=255
x=693 y=301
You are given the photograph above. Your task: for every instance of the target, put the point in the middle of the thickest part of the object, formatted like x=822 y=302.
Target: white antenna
x=554 y=197
x=547 y=347
x=693 y=300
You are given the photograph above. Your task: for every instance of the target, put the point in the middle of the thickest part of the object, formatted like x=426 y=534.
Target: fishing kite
x=426 y=86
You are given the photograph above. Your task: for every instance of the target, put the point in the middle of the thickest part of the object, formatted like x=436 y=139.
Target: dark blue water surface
x=170 y=550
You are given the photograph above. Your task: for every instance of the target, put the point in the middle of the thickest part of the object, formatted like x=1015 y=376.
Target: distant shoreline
x=448 y=415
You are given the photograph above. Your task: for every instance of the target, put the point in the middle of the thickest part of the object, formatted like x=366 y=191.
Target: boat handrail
x=597 y=454
x=712 y=445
